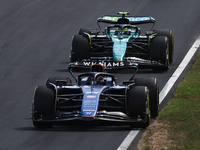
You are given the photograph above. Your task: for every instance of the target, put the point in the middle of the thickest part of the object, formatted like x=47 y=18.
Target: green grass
x=183 y=114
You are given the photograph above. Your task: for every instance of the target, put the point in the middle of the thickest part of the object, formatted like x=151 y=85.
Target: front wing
x=109 y=64
x=101 y=116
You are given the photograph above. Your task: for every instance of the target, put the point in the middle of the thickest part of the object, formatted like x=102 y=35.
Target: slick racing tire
x=80 y=48
x=169 y=34
x=85 y=33
x=153 y=86
x=137 y=104
x=160 y=52
x=82 y=31
x=44 y=100
x=64 y=81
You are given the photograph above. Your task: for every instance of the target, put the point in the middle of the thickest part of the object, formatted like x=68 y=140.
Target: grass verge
x=178 y=125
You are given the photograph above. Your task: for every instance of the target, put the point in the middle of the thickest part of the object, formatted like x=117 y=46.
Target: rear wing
x=124 y=19
x=133 y=20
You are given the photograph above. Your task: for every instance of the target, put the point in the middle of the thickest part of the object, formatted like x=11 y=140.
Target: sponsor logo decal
x=144 y=61
x=138 y=18
x=111 y=18
x=88 y=113
x=121 y=63
x=91 y=96
x=91 y=92
x=107 y=64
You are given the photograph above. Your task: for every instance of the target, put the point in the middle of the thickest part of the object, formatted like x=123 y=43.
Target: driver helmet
x=89 y=80
x=125 y=31
x=118 y=31
x=100 y=80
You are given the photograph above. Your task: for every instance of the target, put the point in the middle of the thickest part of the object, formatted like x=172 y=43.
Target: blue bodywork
x=91 y=98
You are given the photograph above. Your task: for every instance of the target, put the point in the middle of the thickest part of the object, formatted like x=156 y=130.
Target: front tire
x=138 y=104
x=44 y=100
x=80 y=48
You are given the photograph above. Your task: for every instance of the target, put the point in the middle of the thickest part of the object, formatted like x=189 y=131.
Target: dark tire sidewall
x=169 y=34
x=44 y=100
x=137 y=103
x=153 y=86
x=160 y=50
x=80 y=48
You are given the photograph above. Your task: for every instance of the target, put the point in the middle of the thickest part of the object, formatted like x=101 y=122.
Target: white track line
x=179 y=70
x=129 y=138
x=133 y=133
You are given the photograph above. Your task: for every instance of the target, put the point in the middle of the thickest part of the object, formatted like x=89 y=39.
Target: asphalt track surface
x=35 y=41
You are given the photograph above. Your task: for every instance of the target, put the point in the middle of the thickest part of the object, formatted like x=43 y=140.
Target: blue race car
x=122 y=42
x=96 y=97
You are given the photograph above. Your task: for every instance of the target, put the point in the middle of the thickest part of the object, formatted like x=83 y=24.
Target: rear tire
x=138 y=103
x=153 y=86
x=82 y=31
x=160 y=52
x=80 y=48
x=169 y=34
x=44 y=100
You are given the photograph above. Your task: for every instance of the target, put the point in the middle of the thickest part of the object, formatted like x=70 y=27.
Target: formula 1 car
x=95 y=97
x=122 y=41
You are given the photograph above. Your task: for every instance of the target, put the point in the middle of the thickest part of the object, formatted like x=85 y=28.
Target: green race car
x=121 y=43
